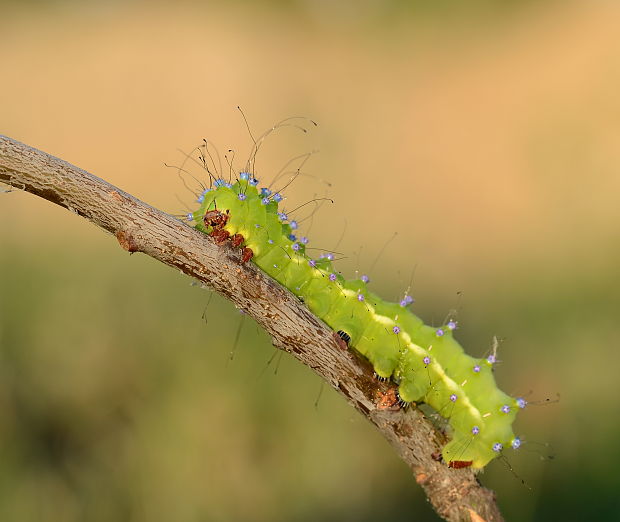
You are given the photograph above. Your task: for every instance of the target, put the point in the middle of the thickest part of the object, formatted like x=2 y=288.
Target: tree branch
x=455 y=494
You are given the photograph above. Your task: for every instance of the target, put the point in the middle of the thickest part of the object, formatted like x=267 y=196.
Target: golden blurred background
x=486 y=134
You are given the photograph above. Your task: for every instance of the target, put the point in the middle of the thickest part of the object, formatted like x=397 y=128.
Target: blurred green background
x=486 y=134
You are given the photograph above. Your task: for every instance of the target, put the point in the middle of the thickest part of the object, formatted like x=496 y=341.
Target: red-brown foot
x=221 y=236
x=246 y=254
x=459 y=464
x=237 y=240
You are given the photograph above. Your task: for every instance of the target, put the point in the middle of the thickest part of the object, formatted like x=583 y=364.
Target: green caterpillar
x=426 y=363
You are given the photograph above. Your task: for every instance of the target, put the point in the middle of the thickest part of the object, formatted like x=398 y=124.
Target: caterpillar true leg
x=237 y=240
x=246 y=254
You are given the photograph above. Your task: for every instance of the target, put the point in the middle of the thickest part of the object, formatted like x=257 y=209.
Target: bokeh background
x=485 y=133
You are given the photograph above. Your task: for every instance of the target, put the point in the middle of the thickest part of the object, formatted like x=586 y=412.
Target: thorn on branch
x=127 y=242
x=387 y=400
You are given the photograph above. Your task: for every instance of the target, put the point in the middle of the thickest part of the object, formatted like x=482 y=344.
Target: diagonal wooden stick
x=456 y=495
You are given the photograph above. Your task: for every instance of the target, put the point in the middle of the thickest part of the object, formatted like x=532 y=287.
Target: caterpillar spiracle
x=426 y=363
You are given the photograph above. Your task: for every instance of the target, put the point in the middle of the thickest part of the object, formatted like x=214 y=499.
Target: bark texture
x=456 y=495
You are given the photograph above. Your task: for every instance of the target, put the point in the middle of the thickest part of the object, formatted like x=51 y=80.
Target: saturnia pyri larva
x=427 y=363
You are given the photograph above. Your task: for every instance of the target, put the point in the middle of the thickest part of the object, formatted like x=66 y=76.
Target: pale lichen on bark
x=455 y=494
